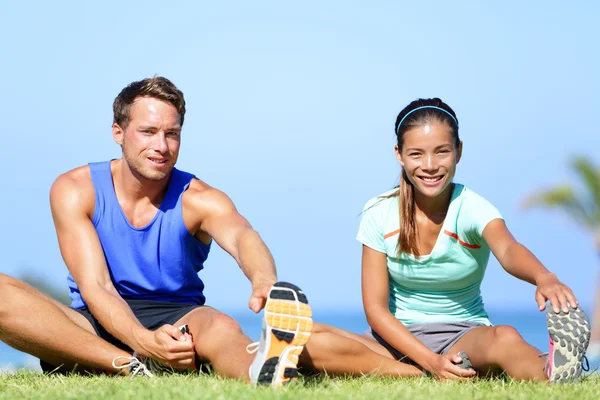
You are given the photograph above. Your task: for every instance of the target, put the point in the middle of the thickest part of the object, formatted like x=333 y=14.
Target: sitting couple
x=135 y=232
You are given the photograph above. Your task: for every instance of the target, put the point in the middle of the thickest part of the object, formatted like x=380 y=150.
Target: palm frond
x=590 y=175
x=562 y=197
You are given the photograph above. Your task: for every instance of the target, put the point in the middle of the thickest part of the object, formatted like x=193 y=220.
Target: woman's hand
x=443 y=367
x=560 y=296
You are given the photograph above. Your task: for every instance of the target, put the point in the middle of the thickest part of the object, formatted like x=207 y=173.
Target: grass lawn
x=25 y=384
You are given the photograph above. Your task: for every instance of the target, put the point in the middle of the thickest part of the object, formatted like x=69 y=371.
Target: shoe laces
x=136 y=367
x=152 y=365
x=252 y=347
x=586 y=366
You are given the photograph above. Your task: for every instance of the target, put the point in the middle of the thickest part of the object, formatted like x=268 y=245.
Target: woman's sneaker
x=286 y=327
x=466 y=361
x=569 y=338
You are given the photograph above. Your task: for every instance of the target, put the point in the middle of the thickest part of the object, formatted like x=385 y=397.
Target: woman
x=426 y=245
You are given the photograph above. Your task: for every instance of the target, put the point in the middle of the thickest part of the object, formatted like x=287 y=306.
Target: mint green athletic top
x=443 y=286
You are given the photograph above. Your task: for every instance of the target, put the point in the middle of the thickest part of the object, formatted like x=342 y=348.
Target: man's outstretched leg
x=36 y=324
x=337 y=352
x=287 y=324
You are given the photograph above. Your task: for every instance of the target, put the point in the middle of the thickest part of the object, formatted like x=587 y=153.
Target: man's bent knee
x=209 y=322
x=7 y=283
x=7 y=280
x=223 y=324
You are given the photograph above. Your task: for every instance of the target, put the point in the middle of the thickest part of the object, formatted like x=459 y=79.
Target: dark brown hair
x=157 y=87
x=411 y=117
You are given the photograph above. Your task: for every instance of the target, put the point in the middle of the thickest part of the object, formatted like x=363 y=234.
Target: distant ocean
x=530 y=324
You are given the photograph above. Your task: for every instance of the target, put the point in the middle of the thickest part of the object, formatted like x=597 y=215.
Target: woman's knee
x=505 y=335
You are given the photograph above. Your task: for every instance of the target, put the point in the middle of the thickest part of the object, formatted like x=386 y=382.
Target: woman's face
x=429 y=157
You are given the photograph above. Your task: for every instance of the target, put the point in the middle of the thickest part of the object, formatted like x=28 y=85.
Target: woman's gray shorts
x=439 y=337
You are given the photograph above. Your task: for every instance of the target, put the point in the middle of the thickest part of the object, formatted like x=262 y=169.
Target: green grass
x=25 y=384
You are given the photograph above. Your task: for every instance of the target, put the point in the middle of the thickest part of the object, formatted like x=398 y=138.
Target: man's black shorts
x=151 y=314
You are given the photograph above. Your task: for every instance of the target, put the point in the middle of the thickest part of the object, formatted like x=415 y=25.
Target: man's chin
x=158 y=177
x=153 y=175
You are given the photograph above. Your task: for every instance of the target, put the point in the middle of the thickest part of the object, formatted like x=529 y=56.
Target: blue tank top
x=159 y=261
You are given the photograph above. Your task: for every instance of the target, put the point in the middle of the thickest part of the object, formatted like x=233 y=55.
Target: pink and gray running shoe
x=569 y=338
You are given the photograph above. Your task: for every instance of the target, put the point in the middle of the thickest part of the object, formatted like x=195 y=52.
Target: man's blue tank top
x=158 y=262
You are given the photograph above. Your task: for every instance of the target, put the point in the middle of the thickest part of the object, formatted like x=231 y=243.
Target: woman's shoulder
x=468 y=195
x=474 y=212
x=385 y=198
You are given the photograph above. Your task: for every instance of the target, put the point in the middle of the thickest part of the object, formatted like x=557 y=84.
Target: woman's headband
x=422 y=107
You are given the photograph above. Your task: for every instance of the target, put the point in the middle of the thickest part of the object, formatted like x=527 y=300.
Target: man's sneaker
x=135 y=366
x=139 y=364
x=569 y=338
x=286 y=327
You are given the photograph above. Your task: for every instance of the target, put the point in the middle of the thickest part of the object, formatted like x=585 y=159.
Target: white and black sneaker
x=135 y=366
x=139 y=364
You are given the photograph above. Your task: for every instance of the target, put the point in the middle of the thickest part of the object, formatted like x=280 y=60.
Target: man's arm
x=211 y=211
x=72 y=204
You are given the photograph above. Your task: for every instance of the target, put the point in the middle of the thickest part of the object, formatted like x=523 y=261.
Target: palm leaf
x=563 y=198
x=590 y=175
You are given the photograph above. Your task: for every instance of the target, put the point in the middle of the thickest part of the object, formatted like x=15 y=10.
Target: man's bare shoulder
x=202 y=202
x=73 y=190
x=199 y=185
x=200 y=196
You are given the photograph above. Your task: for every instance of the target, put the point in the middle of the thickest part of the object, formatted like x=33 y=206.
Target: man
x=134 y=232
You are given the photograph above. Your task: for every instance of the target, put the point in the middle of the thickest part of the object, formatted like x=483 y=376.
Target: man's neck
x=135 y=187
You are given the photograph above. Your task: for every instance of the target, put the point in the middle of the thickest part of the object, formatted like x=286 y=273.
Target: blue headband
x=422 y=107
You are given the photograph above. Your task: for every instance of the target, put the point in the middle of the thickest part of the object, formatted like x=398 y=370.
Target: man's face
x=150 y=143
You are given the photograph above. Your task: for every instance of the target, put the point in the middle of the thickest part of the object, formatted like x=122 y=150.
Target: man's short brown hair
x=157 y=87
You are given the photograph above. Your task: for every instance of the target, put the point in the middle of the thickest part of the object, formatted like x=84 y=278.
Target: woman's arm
x=375 y=291
x=518 y=261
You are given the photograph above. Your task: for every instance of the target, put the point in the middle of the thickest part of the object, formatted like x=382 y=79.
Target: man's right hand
x=169 y=346
x=443 y=367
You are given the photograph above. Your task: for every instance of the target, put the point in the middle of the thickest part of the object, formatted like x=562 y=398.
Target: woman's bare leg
x=501 y=348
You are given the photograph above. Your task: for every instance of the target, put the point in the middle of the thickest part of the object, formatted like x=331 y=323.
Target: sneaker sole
x=570 y=334
x=289 y=325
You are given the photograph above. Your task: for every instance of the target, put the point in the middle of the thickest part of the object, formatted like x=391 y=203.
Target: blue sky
x=291 y=110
